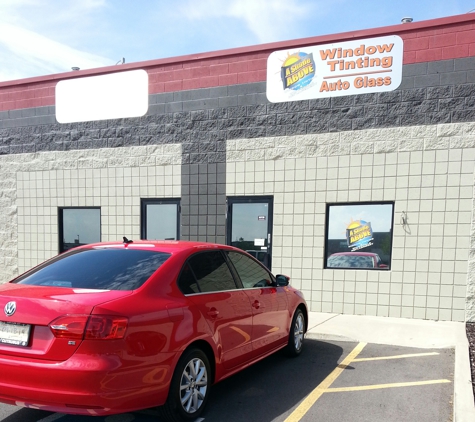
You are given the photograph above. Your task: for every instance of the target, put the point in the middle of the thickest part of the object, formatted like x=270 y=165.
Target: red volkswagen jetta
x=115 y=327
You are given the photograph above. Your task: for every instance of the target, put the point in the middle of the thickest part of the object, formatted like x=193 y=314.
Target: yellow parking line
x=380 y=386
x=413 y=355
x=308 y=402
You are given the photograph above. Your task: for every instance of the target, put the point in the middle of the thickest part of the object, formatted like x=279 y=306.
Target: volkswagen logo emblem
x=10 y=308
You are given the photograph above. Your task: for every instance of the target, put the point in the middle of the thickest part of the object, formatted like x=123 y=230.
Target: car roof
x=356 y=253
x=169 y=246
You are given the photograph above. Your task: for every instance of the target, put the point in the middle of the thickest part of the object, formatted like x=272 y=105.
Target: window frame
x=329 y=251
x=236 y=272
x=237 y=285
x=61 y=242
x=144 y=202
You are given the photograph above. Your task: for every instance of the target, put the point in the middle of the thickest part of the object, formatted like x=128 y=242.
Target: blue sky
x=42 y=37
x=380 y=217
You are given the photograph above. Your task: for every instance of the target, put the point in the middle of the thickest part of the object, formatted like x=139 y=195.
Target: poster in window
x=359 y=235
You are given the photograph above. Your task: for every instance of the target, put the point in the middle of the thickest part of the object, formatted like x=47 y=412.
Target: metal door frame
x=231 y=200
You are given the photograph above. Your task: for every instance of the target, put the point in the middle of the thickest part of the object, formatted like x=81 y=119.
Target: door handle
x=256 y=304
x=213 y=313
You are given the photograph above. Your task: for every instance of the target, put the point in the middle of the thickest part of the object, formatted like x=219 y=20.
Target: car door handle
x=256 y=304
x=213 y=313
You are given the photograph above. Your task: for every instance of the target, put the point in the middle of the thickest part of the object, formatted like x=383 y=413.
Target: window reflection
x=93 y=269
x=79 y=226
x=359 y=235
x=160 y=219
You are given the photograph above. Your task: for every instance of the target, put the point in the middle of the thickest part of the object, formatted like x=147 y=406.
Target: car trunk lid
x=26 y=313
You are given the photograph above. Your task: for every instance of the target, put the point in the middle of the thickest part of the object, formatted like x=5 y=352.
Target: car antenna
x=127 y=240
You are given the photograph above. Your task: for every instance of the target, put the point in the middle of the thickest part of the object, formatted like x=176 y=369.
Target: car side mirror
x=282 y=280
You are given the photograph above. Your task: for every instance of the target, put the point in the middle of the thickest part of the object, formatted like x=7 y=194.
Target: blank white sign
x=112 y=96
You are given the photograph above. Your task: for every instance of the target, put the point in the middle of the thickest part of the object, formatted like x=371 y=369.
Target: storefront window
x=160 y=219
x=78 y=226
x=359 y=235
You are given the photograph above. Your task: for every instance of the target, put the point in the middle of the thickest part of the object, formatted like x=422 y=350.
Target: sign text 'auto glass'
x=331 y=70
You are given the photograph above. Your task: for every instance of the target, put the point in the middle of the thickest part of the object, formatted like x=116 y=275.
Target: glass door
x=249 y=226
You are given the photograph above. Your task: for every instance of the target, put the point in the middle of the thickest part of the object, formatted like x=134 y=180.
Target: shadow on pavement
x=26 y=415
x=265 y=391
x=271 y=388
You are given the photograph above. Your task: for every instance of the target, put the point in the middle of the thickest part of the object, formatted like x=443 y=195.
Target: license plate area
x=14 y=333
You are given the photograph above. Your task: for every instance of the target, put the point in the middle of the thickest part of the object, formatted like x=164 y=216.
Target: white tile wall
x=35 y=185
x=428 y=171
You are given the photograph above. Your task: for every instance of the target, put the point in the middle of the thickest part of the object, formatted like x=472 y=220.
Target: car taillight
x=69 y=326
x=105 y=327
x=95 y=327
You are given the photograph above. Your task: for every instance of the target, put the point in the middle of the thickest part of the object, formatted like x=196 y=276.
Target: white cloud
x=35 y=37
x=29 y=49
x=39 y=37
x=268 y=20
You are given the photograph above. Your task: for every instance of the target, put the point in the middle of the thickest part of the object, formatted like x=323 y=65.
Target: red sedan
x=116 y=327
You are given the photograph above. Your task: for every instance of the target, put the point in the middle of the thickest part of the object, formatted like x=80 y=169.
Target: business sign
x=331 y=70
x=359 y=235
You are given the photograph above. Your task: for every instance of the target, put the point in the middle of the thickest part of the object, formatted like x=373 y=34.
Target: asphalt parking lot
x=331 y=380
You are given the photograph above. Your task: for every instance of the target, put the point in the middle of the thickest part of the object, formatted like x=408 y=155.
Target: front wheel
x=296 y=335
x=189 y=389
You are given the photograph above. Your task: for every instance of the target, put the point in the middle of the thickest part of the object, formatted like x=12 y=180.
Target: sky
x=379 y=215
x=43 y=37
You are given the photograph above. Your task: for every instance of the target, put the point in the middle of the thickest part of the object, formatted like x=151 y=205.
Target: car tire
x=189 y=388
x=296 y=334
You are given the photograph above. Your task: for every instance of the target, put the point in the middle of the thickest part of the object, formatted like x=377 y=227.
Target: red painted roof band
x=437 y=39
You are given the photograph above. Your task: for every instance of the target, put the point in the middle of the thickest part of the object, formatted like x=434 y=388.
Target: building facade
x=217 y=158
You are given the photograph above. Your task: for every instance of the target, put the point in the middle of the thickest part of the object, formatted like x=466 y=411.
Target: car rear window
x=102 y=269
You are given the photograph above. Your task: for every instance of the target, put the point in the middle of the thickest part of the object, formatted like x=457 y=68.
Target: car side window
x=250 y=272
x=210 y=271
x=187 y=281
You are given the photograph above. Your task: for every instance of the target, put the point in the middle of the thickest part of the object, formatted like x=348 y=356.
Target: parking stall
x=344 y=381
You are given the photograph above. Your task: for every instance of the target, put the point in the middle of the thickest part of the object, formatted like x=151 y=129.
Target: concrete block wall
x=211 y=130
x=428 y=171
x=210 y=140
x=35 y=185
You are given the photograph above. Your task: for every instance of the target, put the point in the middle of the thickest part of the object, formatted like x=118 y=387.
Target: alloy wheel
x=298 y=332
x=193 y=385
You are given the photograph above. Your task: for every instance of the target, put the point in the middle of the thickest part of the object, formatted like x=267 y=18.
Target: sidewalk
x=409 y=333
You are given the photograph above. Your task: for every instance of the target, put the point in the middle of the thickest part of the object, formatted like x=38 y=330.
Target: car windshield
x=102 y=269
x=350 y=261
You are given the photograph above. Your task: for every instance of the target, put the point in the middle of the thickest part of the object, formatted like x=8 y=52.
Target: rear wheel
x=296 y=335
x=189 y=389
